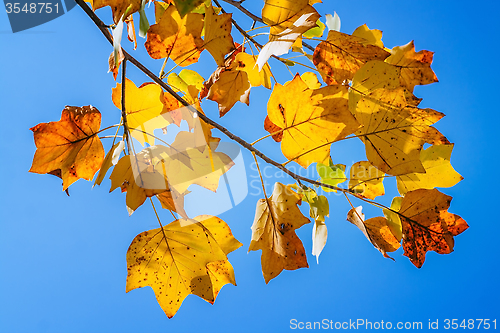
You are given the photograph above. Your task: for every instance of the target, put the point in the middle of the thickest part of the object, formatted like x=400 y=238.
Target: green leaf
x=393 y=220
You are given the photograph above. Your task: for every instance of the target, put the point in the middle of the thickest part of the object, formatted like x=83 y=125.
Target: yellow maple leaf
x=427 y=224
x=394 y=132
x=143 y=107
x=438 y=171
x=218 y=40
x=246 y=62
x=414 y=67
x=281 y=14
x=371 y=36
x=118 y=7
x=179 y=259
x=273 y=232
x=69 y=148
x=340 y=56
x=311 y=119
x=175 y=37
x=366 y=180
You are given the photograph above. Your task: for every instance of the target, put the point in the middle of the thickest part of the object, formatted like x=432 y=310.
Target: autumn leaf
x=143 y=107
x=392 y=216
x=275 y=131
x=273 y=232
x=311 y=119
x=414 y=67
x=331 y=174
x=438 y=171
x=111 y=159
x=118 y=7
x=175 y=37
x=371 y=36
x=69 y=148
x=366 y=180
x=230 y=87
x=427 y=224
x=246 y=62
x=319 y=209
x=186 y=6
x=376 y=230
x=340 y=56
x=218 y=40
x=186 y=162
x=371 y=76
x=179 y=260
x=280 y=43
x=281 y=14
x=394 y=132
x=173 y=201
x=136 y=175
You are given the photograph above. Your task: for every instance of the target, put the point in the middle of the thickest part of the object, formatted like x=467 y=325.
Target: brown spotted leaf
x=175 y=37
x=273 y=232
x=311 y=119
x=184 y=257
x=69 y=148
x=427 y=224
x=340 y=56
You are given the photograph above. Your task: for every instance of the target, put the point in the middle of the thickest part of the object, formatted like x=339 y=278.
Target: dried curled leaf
x=218 y=40
x=69 y=148
x=376 y=230
x=184 y=257
x=273 y=232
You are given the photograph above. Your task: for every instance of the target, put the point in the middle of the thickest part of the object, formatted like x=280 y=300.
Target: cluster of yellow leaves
x=187 y=256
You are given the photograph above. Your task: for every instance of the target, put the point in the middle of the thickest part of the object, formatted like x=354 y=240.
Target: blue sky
x=62 y=259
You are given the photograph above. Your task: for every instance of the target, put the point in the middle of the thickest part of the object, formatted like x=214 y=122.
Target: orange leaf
x=414 y=67
x=376 y=230
x=341 y=55
x=69 y=148
x=427 y=225
x=272 y=128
